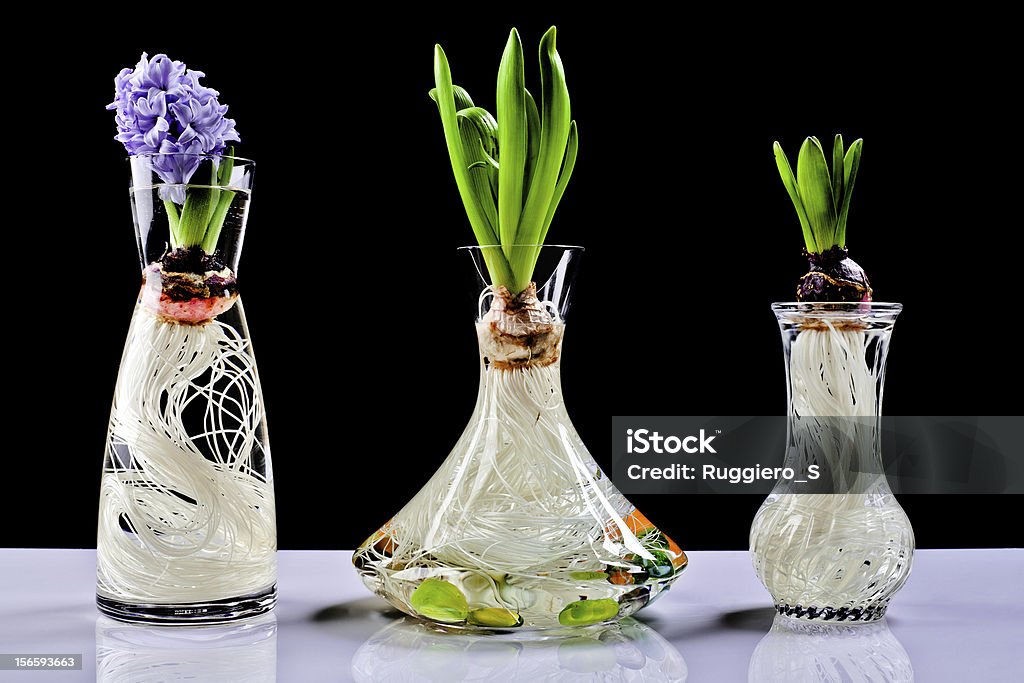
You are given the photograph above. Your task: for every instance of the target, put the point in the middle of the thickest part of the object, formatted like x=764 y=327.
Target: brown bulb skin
x=833 y=276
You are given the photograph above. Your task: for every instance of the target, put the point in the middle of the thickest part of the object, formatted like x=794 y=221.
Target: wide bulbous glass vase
x=187 y=530
x=839 y=546
x=519 y=528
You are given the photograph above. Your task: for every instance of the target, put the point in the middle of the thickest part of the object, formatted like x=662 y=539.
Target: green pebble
x=660 y=567
x=586 y=612
x=660 y=571
x=588 y=576
x=441 y=601
x=495 y=617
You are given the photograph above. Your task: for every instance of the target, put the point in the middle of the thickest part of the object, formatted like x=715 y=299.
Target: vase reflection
x=245 y=652
x=409 y=650
x=798 y=652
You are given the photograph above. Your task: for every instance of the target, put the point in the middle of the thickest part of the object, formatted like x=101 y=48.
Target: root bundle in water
x=187 y=505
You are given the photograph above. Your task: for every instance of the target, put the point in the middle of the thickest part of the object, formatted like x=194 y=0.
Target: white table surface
x=960 y=617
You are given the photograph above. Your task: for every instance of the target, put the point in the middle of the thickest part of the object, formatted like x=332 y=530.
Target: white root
x=187 y=507
x=850 y=548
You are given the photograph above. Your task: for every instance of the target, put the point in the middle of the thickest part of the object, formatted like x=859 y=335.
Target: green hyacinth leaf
x=527 y=159
x=789 y=181
x=837 y=170
x=461 y=97
x=568 y=164
x=511 y=113
x=444 y=95
x=815 y=189
x=532 y=140
x=199 y=207
x=488 y=129
x=555 y=123
x=478 y=163
x=440 y=600
x=851 y=164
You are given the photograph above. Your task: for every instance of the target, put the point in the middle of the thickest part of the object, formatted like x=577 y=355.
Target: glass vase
x=187 y=530
x=519 y=528
x=839 y=547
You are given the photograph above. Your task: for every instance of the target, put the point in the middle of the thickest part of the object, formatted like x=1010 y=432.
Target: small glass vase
x=841 y=547
x=187 y=531
x=519 y=528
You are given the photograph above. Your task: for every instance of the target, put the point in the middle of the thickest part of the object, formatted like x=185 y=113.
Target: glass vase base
x=846 y=615
x=552 y=604
x=193 y=613
x=587 y=587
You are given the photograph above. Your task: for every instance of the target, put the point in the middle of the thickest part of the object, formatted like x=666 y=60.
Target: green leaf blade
x=220 y=212
x=815 y=188
x=837 y=170
x=200 y=204
x=789 y=181
x=511 y=172
x=172 y=218
x=532 y=140
x=497 y=264
x=488 y=129
x=851 y=164
x=459 y=94
x=571 y=150
x=555 y=114
x=478 y=164
x=511 y=112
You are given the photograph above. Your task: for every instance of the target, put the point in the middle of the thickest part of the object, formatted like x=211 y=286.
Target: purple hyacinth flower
x=161 y=107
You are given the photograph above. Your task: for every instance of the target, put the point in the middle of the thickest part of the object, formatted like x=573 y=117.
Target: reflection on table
x=800 y=651
x=408 y=650
x=235 y=653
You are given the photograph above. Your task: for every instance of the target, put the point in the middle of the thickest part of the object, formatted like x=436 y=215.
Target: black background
x=361 y=309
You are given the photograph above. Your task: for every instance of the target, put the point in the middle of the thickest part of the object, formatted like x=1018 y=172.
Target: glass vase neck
x=551 y=281
x=836 y=314
x=835 y=357
x=521 y=330
x=195 y=204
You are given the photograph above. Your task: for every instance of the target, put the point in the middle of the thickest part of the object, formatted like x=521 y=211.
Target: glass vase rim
x=838 y=307
x=200 y=155
x=481 y=247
